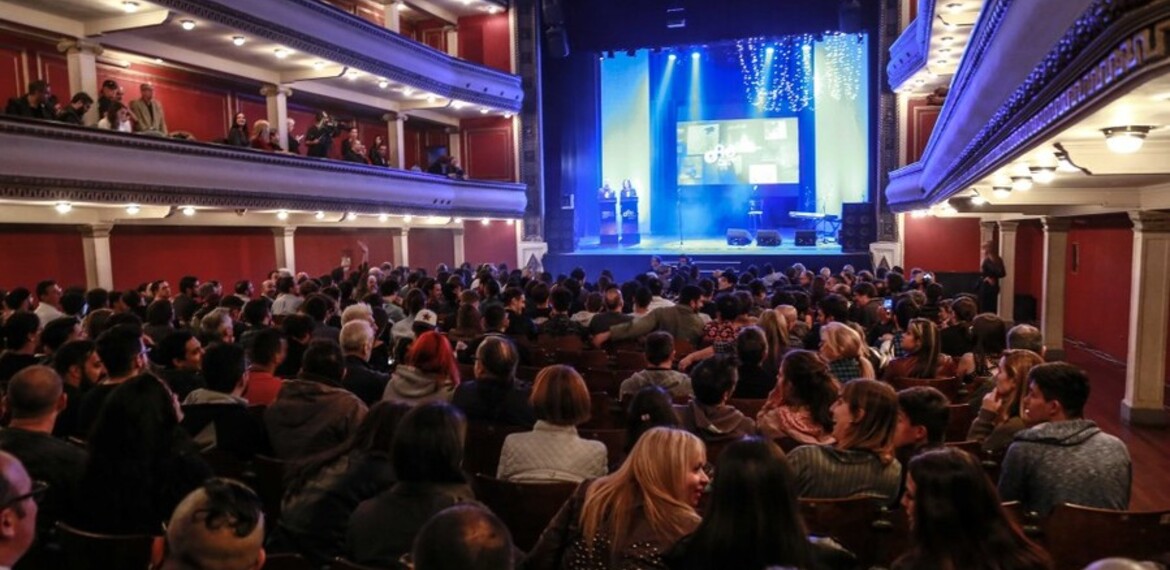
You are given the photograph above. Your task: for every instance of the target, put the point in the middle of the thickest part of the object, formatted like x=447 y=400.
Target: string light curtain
x=778 y=72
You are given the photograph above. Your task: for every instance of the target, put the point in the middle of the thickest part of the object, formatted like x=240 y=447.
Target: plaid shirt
x=845 y=369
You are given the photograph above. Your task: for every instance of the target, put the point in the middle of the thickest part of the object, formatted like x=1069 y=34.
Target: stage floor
x=708 y=254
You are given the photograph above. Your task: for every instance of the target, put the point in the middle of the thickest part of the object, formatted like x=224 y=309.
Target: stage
x=708 y=253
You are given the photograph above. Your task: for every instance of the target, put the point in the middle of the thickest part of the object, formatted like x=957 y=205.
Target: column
x=95 y=244
x=1149 y=315
x=1055 y=259
x=277 y=98
x=1007 y=285
x=400 y=245
x=286 y=254
x=396 y=139
x=455 y=146
x=452 y=40
x=391 y=17
x=986 y=234
x=81 y=57
x=460 y=246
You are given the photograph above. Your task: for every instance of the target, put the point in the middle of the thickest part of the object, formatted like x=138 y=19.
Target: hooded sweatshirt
x=415 y=387
x=311 y=414
x=673 y=381
x=1070 y=461
x=715 y=423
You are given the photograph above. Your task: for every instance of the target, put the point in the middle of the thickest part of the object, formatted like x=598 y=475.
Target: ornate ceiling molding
x=311 y=26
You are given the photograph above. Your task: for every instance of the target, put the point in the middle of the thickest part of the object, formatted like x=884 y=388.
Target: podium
x=607 y=204
x=629 y=215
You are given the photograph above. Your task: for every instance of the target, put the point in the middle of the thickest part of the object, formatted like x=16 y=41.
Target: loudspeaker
x=768 y=238
x=736 y=236
x=858 y=227
x=555 y=37
x=806 y=237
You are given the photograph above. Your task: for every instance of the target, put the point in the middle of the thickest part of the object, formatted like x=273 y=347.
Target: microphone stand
x=678 y=211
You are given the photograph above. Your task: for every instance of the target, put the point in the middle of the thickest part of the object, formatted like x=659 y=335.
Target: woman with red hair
x=429 y=372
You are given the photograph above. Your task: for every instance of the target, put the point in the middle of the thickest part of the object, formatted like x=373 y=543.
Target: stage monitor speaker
x=736 y=236
x=768 y=238
x=858 y=227
x=806 y=238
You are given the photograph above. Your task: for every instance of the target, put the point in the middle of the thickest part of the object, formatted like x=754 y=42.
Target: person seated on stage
x=559 y=322
x=708 y=415
x=660 y=354
x=923 y=359
x=681 y=321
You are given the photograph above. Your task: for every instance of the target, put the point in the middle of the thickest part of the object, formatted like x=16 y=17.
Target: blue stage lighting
x=695 y=55
x=769 y=50
x=672 y=57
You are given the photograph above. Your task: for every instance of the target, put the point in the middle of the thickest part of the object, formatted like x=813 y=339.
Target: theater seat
x=525 y=508
x=863 y=525
x=287 y=562
x=630 y=360
x=84 y=550
x=268 y=480
x=614 y=440
x=959 y=422
x=485 y=440
x=951 y=387
x=749 y=407
x=1076 y=536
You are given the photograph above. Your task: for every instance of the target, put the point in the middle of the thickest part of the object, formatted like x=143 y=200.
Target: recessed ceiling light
x=188 y=211
x=280 y=53
x=408 y=91
x=407 y=218
x=511 y=222
x=459 y=220
x=493 y=9
x=507 y=115
x=430 y=98
x=1043 y=174
x=352 y=74
x=319 y=215
x=318 y=65
x=282 y=215
x=63 y=207
x=484 y=110
x=239 y=40
x=133 y=209
x=187 y=24
x=944 y=50
x=458 y=104
x=942 y=61
x=351 y=216
x=383 y=218
x=466 y=2
x=485 y=221
x=129 y=6
x=978 y=199
x=158 y=60
x=382 y=84
x=1021 y=183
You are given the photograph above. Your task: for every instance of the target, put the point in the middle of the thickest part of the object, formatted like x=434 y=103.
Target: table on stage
x=827 y=225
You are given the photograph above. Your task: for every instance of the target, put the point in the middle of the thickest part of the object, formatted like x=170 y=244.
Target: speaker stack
x=858 y=227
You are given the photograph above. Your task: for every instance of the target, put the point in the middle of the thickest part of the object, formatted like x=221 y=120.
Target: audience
x=552 y=451
x=180 y=356
x=922 y=359
x=660 y=354
x=238 y=131
x=313 y=412
x=799 y=407
x=845 y=351
x=1000 y=416
x=631 y=517
x=427 y=455
x=707 y=414
x=148 y=113
x=756 y=377
x=428 y=374
x=861 y=462
x=265 y=352
x=357 y=341
x=19 y=495
x=496 y=395
x=465 y=537
x=34 y=104
x=957 y=521
x=219 y=525
x=650 y=408
x=123 y=354
x=217 y=416
x=21 y=338
x=1063 y=457
x=323 y=490
x=80 y=369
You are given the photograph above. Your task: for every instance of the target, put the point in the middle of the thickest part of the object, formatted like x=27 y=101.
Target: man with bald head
x=466 y=537
x=35 y=397
x=18 y=510
x=218 y=526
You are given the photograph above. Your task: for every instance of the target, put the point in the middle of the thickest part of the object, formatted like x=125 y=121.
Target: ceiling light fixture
x=459 y=220
x=942 y=61
x=187 y=24
x=129 y=7
x=919 y=214
x=507 y=115
x=382 y=84
x=1021 y=183
x=352 y=74
x=458 y=104
x=1126 y=140
x=978 y=199
x=1002 y=192
x=511 y=222
x=407 y=218
x=188 y=211
x=239 y=40
x=1043 y=174
x=282 y=215
x=430 y=98
x=63 y=207
x=318 y=65
x=319 y=215
x=484 y=110
x=280 y=53
x=133 y=209
x=351 y=216
x=485 y=221
x=383 y=218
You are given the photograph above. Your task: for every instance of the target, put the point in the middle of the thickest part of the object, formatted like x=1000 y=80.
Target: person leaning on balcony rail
x=33 y=104
x=149 y=117
x=74 y=112
x=118 y=118
x=238 y=131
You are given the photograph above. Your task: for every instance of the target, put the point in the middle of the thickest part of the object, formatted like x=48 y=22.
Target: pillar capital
x=1148 y=221
x=271 y=90
x=1052 y=224
x=284 y=231
x=989 y=225
x=96 y=230
x=67 y=46
x=394 y=116
x=1008 y=225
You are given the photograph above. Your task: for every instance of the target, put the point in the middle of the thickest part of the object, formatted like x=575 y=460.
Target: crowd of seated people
x=128 y=402
x=147 y=116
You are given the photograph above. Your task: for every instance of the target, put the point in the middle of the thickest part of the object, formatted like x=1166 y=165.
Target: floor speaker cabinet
x=858 y=227
x=807 y=238
x=736 y=236
x=768 y=238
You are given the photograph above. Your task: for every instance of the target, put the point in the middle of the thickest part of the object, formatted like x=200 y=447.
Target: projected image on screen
x=747 y=151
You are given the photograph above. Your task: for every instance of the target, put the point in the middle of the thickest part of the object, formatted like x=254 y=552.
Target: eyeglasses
x=36 y=493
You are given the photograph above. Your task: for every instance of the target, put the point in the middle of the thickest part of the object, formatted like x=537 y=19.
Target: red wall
x=1030 y=262
x=319 y=250
x=418 y=137
x=23 y=60
x=29 y=254
x=942 y=245
x=485 y=40
x=487 y=149
x=141 y=253
x=920 y=120
x=428 y=247
x=1097 y=295
x=493 y=243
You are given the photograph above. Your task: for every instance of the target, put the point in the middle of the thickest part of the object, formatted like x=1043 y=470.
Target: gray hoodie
x=1069 y=461
x=413 y=386
x=673 y=381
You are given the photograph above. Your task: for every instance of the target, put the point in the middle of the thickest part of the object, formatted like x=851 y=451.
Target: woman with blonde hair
x=262 y=135
x=845 y=351
x=861 y=462
x=924 y=358
x=775 y=328
x=629 y=518
x=553 y=451
x=999 y=416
